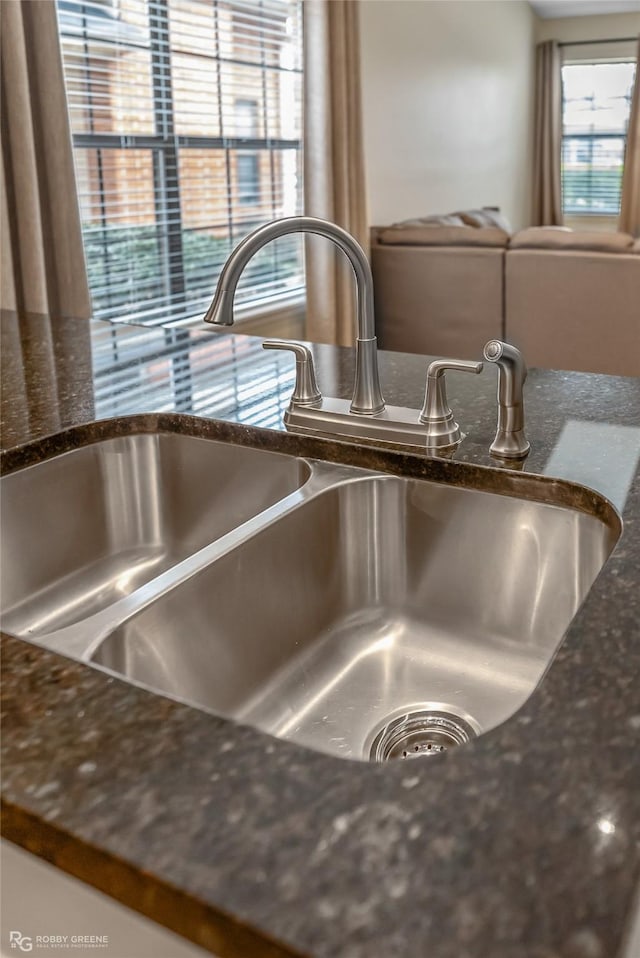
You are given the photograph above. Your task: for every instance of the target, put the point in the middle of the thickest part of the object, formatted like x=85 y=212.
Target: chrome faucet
x=367 y=396
x=367 y=417
x=510 y=441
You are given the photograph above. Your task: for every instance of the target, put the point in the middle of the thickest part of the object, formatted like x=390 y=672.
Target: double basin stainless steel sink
x=361 y=614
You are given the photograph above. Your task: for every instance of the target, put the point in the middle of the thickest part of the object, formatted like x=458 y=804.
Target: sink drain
x=418 y=733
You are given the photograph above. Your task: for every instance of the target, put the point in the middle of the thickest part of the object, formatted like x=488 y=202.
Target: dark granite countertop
x=249 y=845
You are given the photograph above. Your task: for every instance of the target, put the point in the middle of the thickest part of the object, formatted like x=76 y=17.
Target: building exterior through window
x=186 y=122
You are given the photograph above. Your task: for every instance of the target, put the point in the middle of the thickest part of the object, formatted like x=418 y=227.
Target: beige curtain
x=45 y=295
x=334 y=181
x=547 y=189
x=630 y=204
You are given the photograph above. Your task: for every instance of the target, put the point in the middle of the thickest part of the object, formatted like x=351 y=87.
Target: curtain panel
x=47 y=271
x=630 y=201
x=547 y=183
x=334 y=171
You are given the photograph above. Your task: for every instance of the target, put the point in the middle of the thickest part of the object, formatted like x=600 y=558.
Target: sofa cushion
x=574 y=309
x=435 y=235
x=438 y=300
x=562 y=238
x=485 y=217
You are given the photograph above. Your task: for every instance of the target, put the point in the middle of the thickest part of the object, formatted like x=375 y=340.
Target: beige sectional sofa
x=569 y=300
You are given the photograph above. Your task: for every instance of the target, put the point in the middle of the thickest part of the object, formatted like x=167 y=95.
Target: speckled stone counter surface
x=249 y=845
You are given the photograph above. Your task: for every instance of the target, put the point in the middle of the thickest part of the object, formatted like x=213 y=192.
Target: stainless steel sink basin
x=83 y=529
x=381 y=617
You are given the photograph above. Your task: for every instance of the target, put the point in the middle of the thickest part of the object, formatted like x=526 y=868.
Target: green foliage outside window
x=133 y=256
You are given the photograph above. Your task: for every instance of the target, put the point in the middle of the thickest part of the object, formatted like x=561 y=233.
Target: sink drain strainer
x=419 y=733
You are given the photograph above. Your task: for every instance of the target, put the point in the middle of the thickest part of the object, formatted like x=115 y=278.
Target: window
x=248 y=164
x=248 y=179
x=595 y=116
x=186 y=121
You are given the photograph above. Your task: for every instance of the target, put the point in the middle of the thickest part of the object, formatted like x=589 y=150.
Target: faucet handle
x=443 y=429
x=305 y=392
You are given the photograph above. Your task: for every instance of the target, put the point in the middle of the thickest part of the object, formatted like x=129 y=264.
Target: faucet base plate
x=395 y=424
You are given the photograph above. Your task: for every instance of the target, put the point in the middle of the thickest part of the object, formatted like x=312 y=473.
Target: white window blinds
x=186 y=120
x=595 y=116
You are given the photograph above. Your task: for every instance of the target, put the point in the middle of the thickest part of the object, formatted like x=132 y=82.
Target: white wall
x=611 y=26
x=447 y=101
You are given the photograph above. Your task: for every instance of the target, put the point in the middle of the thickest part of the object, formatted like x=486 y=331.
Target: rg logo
x=17 y=940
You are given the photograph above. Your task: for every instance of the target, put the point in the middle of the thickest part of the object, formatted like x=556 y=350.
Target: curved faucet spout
x=367 y=395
